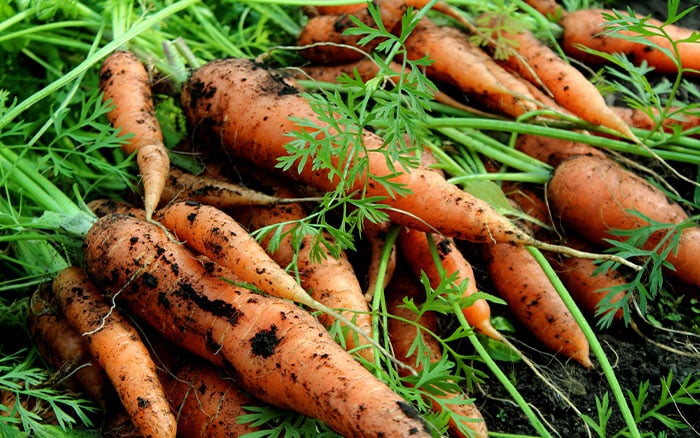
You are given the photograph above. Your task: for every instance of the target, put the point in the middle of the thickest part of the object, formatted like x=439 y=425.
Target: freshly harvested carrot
x=570 y=88
x=462 y=64
x=640 y=119
x=415 y=249
x=340 y=9
x=521 y=282
x=553 y=150
x=212 y=191
x=63 y=348
x=586 y=28
x=278 y=352
x=117 y=347
x=125 y=82
x=549 y=8
x=593 y=196
x=103 y=207
x=259 y=134
x=402 y=335
x=331 y=281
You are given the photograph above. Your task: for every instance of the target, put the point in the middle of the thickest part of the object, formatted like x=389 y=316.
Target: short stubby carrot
x=216 y=101
x=119 y=350
x=124 y=81
x=594 y=196
x=531 y=297
x=586 y=28
x=416 y=250
x=570 y=88
x=278 y=352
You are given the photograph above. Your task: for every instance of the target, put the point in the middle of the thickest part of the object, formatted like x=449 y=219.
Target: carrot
x=259 y=134
x=63 y=348
x=466 y=419
x=462 y=64
x=586 y=28
x=522 y=283
x=549 y=8
x=570 y=88
x=330 y=280
x=416 y=250
x=103 y=207
x=340 y=9
x=593 y=196
x=639 y=118
x=278 y=352
x=125 y=82
x=117 y=347
x=553 y=150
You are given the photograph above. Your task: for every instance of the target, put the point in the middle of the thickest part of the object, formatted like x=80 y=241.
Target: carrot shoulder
x=118 y=349
x=216 y=101
x=277 y=351
x=125 y=82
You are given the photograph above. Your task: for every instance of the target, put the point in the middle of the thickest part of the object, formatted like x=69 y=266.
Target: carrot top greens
x=58 y=151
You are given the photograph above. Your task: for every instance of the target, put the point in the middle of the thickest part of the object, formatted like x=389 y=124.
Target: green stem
x=595 y=345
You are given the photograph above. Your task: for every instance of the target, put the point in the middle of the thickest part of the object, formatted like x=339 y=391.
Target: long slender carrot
x=278 y=352
x=416 y=250
x=331 y=281
x=594 y=196
x=125 y=82
x=117 y=347
x=259 y=134
x=586 y=28
x=569 y=87
x=466 y=419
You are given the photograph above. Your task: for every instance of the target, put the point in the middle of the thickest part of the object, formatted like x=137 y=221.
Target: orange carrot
x=549 y=8
x=586 y=28
x=63 y=348
x=259 y=134
x=125 y=82
x=402 y=335
x=278 y=352
x=594 y=196
x=117 y=347
x=415 y=249
x=340 y=9
x=569 y=87
x=462 y=64
x=639 y=118
x=103 y=207
x=330 y=280
x=521 y=282
x=553 y=150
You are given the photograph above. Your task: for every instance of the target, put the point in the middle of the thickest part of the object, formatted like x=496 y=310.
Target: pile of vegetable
x=316 y=218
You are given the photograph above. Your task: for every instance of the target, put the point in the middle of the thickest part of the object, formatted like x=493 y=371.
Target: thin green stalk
x=88 y=63
x=595 y=345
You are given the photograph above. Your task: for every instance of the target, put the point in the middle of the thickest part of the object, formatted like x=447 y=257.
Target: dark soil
x=636 y=359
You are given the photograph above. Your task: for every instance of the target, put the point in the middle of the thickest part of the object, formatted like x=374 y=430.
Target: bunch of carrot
x=188 y=267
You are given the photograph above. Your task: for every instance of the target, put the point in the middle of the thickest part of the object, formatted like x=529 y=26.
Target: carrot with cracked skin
x=402 y=334
x=462 y=64
x=586 y=28
x=64 y=349
x=570 y=88
x=593 y=196
x=125 y=82
x=416 y=250
x=331 y=281
x=278 y=352
x=259 y=135
x=117 y=347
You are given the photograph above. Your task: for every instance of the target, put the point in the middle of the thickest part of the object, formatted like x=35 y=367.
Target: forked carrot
x=117 y=347
x=466 y=419
x=416 y=250
x=278 y=352
x=586 y=28
x=125 y=82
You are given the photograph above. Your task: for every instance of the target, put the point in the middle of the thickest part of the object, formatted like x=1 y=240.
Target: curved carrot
x=594 y=196
x=402 y=335
x=278 y=352
x=331 y=281
x=415 y=249
x=259 y=134
x=585 y=28
x=569 y=87
x=125 y=82
x=117 y=347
